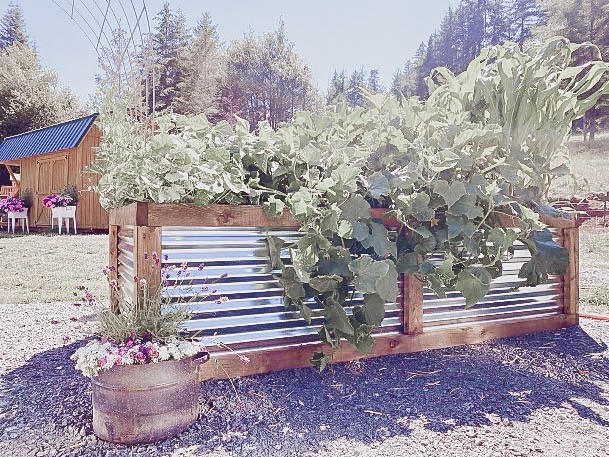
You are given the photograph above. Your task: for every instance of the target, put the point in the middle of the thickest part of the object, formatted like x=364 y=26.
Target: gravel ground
x=544 y=394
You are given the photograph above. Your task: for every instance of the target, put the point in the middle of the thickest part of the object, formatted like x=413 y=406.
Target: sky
x=328 y=35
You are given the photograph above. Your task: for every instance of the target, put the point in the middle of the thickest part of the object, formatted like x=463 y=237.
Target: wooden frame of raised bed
x=420 y=320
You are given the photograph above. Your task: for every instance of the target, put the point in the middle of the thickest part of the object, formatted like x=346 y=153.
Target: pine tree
x=498 y=27
x=524 y=15
x=374 y=84
x=397 y=83
x=12 y=27
x=205 y=68
x=427 y=63
x=169 y=43
x=446 y=43
x=473 y=25
x=336 y=91
x=353 y=91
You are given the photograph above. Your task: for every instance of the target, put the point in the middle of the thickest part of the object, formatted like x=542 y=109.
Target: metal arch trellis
x=100 y=23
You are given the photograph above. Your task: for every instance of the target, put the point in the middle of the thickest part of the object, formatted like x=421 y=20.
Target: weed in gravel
x=597 y=296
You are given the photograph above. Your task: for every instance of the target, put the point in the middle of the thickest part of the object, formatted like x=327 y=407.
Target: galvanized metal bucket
x=137 y=404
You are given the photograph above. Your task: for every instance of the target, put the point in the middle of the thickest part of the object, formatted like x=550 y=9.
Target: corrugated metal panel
x=502 y=303
x=126 y=271
x=254 y=314
x=49 y=139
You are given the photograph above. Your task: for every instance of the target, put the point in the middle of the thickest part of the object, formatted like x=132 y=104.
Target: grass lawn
x=48 y=267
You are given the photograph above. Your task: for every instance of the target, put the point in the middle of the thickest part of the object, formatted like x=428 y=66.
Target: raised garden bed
x=230 y=240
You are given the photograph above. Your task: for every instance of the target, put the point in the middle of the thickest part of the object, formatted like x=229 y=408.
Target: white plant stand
x=22 y=215
x=62 y=213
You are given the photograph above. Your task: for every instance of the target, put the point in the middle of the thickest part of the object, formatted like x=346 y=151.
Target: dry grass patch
x=48 y=267
x=594 y=266
x=589 y=164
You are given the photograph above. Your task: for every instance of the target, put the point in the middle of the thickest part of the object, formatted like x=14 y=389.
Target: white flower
x=164 y=353
x=96 y=356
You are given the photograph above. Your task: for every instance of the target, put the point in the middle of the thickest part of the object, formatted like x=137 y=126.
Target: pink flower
x=102 y=361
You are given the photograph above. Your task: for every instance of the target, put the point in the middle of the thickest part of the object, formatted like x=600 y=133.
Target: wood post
x=113 y=264
x=146 y=250
x=412 y=304
x=570 y=240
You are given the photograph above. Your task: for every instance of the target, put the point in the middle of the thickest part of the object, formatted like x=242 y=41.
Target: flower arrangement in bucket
x=142 y=359
x=12 y=205
x=68 y=196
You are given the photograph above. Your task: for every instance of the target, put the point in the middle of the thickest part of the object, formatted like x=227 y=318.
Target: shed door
x=51 y=177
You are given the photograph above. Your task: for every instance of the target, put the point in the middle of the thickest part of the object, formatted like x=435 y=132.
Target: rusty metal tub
x=138 y=404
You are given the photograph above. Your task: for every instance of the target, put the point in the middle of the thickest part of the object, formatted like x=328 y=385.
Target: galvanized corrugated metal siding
x=502 y=302
x=49 y=139
x=254 y=314
x=126 y=261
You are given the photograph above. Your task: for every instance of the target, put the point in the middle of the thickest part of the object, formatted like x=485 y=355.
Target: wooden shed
x=49 y=159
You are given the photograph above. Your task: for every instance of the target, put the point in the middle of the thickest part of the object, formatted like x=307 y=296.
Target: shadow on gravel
x=295 y=411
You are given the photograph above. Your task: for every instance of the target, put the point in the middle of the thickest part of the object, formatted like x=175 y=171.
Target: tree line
x=474 y=24
x=255 y=77
x=263 y=77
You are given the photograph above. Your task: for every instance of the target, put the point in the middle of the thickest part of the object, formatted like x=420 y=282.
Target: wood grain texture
x=266 y=360
x=113 y=264
x=190 y=215
x=135 y=214
x=147 y=245
x=570 y=281
x=177 y=214
x=412 y=304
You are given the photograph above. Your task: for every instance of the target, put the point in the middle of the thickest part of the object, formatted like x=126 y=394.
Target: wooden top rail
x=191 y=215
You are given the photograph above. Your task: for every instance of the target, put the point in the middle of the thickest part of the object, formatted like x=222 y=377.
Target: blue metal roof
x=48 y=139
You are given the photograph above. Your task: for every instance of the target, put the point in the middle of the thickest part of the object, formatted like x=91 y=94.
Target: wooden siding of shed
x=90 y=215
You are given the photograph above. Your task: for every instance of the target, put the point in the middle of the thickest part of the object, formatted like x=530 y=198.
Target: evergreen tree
x=498 y=27
x=397 y=83
x=374 y=84
x=12 y=27
x=446 y=43
x=524 y=15
x=169 y=42
x=336 y=91
x=428 y=63
x=473 y=25
x=205 y=69
x=353 y=91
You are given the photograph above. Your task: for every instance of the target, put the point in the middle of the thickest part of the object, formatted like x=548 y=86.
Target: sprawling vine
x=485 y=146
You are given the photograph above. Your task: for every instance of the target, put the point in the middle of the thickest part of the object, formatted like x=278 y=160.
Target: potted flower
x=143 y=370
x=17 y=207
x=62 y=204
